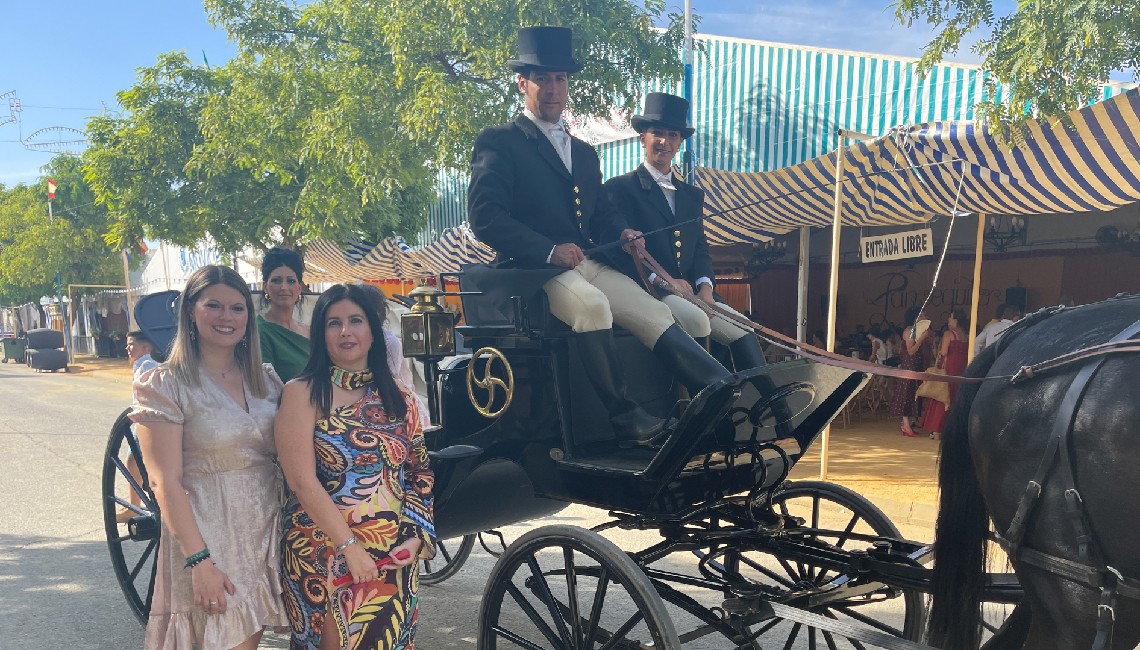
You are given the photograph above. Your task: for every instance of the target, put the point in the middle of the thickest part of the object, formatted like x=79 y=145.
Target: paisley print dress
x=375 y=468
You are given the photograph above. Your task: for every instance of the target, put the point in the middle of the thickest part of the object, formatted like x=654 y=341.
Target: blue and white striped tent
x=1090 y=161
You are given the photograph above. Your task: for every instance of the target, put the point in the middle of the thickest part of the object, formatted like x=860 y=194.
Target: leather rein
x=647 y=266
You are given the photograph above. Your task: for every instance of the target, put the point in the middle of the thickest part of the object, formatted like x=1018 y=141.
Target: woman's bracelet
x=198 y=558
x=348 y=542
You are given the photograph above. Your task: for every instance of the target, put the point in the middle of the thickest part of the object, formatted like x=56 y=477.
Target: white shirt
x=557 y=135
x=665 y=182
x=990 y=334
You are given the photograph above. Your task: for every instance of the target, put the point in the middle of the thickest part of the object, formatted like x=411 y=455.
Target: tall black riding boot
x=687 y=360
x=746 y=353
x=599 y=357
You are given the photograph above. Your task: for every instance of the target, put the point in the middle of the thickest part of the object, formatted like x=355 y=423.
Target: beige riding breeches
x=593 y=296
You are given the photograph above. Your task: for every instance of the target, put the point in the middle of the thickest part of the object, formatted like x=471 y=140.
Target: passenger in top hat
x=653 y=198
x=536 y=197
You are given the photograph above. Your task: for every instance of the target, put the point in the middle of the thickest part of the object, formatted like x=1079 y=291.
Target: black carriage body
x=553 y=445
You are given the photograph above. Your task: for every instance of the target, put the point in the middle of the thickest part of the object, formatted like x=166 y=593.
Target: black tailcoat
x=682 y=249
x=522 y=201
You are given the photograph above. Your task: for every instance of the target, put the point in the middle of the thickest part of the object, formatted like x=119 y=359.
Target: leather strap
x=645 y=265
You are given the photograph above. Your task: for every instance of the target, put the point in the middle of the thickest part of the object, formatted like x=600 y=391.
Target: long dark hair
x=317 y=371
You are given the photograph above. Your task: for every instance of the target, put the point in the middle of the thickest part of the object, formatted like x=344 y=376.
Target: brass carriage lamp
x=428 y=329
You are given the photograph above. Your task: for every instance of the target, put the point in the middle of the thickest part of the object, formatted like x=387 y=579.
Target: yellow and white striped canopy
x=1089 y=161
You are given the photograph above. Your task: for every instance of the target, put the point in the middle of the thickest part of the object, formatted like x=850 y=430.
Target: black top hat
x=544 y=49
x=664 y=110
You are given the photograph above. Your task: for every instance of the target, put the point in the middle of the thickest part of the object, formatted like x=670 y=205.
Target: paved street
x=61 y=592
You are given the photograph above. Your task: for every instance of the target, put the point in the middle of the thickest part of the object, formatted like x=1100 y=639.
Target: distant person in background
x=878 y=352
x=992 y=332
x=284 y=338
x=952 y=359
x=819 y=339
x=913 y=355
x=139 y=350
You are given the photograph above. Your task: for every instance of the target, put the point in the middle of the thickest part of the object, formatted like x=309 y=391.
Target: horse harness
x=1091 y=570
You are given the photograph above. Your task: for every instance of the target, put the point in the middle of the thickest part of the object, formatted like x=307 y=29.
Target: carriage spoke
x=848 y=610
x=596 y=609
x=543 y=589
x=811 y=638
x=142 y=560
x=572 y=596
x=536 y=618
x=150 y=584
x=795 y=633
x=854 y=643
x=766 y=571
x=620 y=633
x=516 y=639
x=830 y=639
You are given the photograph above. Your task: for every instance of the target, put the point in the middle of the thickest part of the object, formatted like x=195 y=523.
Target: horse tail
x=961 y=532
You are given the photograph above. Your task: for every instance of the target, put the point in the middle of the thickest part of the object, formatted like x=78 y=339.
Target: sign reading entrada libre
x=897 y=246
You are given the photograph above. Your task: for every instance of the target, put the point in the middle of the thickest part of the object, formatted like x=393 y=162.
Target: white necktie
x=561 y=141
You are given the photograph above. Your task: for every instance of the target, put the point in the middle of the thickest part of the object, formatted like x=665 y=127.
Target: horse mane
x=962 y=528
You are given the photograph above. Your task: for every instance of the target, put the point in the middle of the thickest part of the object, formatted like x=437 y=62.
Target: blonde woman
x=205 y=423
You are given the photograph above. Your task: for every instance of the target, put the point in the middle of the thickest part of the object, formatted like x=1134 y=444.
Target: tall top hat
x=664 y=110
x=545 y=49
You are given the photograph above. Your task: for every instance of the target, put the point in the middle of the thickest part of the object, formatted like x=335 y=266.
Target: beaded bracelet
x=348 y=542
x=198 y=558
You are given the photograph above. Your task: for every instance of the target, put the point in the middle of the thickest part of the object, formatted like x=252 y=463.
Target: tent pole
x=976 y=292
x=802 y=284
x=833 y=283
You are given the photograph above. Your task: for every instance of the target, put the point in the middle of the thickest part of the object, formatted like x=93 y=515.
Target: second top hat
x=665 y=110
x=545 y=49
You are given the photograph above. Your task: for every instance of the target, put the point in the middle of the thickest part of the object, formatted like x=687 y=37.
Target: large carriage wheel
x=836 y=512
x=449 y=558
x=568 y=588
x=132 y=528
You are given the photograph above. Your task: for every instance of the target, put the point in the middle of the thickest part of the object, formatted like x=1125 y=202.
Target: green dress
x=286 y=350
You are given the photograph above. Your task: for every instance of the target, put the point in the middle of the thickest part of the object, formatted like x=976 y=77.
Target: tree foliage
x=35 y=246
x=335 y=116
x=1052 y=54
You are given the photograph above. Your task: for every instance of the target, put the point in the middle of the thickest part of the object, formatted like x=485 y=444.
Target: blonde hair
x=185 y=357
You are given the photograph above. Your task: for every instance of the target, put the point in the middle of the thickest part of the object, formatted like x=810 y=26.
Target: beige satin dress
x=236 y=492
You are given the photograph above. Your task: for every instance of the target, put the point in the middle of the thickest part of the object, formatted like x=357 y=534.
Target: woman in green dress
x=284 y=339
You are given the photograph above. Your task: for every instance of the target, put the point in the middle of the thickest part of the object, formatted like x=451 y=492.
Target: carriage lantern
x=428 y=329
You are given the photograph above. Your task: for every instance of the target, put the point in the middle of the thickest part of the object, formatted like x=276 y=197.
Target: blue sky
x=66 y=60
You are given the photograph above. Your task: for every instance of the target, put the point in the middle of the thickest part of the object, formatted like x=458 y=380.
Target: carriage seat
x=506 y=307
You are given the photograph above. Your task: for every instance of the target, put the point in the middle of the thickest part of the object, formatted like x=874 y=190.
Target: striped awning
x=328 y=261
x=1088 y=162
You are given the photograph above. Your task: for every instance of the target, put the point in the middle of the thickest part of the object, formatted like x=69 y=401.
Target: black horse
x=994 y=446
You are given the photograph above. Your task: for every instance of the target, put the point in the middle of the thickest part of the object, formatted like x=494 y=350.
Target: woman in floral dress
x=360 y=515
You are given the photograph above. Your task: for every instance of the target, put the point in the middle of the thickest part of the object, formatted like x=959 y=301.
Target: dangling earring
x=193 y=332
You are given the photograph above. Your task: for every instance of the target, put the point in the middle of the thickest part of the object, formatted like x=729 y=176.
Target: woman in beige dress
x=205 y=422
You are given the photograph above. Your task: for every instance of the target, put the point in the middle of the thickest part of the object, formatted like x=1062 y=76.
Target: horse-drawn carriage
x=732 y=547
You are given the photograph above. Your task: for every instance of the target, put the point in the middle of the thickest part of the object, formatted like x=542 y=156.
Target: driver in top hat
x=536 y=197
x=659 y=202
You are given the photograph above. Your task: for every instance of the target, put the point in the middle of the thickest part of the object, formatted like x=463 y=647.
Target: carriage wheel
x=451 y=555
x=836 y=511
x=132 y=528
x=565 y=587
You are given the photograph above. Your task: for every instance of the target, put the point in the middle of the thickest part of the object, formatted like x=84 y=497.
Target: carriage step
x=848 y=630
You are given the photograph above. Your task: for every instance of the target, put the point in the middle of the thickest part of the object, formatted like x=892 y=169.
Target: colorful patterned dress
x=375 y=468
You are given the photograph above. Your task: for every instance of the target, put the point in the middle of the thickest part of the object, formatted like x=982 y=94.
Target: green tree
x=35 y=246
x=1052 y=54
x=336 y=115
